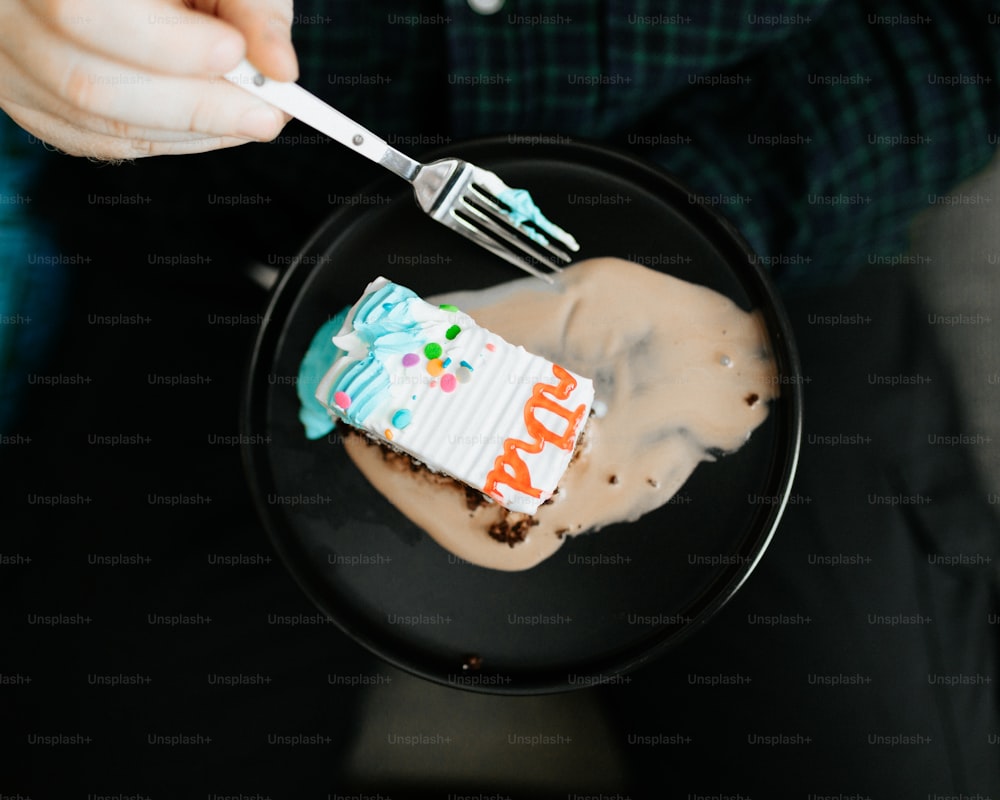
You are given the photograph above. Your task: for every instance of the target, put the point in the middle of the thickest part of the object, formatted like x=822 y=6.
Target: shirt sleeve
x=823 y=147
x=33 y=278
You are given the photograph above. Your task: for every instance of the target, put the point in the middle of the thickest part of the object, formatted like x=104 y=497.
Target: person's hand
x=119 y=79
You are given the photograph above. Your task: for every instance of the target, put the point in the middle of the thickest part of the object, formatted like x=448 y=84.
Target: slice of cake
x=428 y=381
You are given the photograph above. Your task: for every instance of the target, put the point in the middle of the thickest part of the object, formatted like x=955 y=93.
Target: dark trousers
x=860 y=658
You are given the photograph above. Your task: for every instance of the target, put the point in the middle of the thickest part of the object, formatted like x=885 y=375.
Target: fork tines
x=533 y=237
x=502 y=220
x=475 y=203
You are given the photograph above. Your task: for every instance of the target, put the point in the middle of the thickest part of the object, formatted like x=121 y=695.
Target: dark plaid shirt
x=820 y=126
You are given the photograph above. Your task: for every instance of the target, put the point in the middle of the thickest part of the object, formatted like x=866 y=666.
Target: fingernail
x=260 y=122
x=225 y=55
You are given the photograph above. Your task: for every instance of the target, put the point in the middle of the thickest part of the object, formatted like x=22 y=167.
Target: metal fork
x=467 y=199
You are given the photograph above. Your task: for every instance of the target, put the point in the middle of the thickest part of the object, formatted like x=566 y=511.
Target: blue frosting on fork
x=523 y=209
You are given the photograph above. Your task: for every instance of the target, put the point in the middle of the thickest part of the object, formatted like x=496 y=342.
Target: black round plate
x=607 y=601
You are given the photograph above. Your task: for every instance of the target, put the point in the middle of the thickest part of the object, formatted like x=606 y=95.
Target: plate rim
x=705 y=218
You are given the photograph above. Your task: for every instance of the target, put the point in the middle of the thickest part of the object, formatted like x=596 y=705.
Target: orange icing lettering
x=509 y=468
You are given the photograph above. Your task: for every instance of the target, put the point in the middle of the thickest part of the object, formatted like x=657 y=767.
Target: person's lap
x=862 y=652
x=866 y=637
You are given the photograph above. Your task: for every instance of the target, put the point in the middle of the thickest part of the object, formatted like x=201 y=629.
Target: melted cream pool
x=680 y=373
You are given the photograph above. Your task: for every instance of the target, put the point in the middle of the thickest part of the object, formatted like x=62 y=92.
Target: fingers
x=155 y=35
x=129 y=79
x=78 y=142
x=17 y=88
x=79 y=86
x=267 y=28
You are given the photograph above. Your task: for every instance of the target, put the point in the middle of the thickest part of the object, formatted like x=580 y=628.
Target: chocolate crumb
x=503 y=530
x=472 y=662
x=498 y=530
x=751 y=399
x=581 y=442
x=653 y=482
x=473 y=498
x=613 y=479
x=562 y=532
x=520 y=529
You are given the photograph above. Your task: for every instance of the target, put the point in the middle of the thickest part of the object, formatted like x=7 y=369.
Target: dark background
x=933 y=561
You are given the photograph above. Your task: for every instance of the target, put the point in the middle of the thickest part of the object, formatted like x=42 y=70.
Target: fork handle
x=303 y=105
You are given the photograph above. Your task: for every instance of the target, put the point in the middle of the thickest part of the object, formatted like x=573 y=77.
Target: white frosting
x=485 y=412
x=682 y=373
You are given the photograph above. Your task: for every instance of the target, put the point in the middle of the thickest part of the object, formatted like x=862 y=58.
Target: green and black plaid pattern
x=819 y=127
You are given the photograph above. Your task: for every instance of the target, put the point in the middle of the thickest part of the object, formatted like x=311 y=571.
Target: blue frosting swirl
x=383 y=321
x=366 y=383
x=321 y=353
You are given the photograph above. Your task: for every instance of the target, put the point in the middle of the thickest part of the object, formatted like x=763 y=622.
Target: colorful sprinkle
x=446 y=362
x=452 y=332
x=432 y=384
x=432 y=350
x=388 y=434
x=448 y=382
x=342 y=400
x=466 y=364
x=410 y=359
x=448 y=307
x=402 y=418
x=435 y=367
x=463 y=374
x=490 y=346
